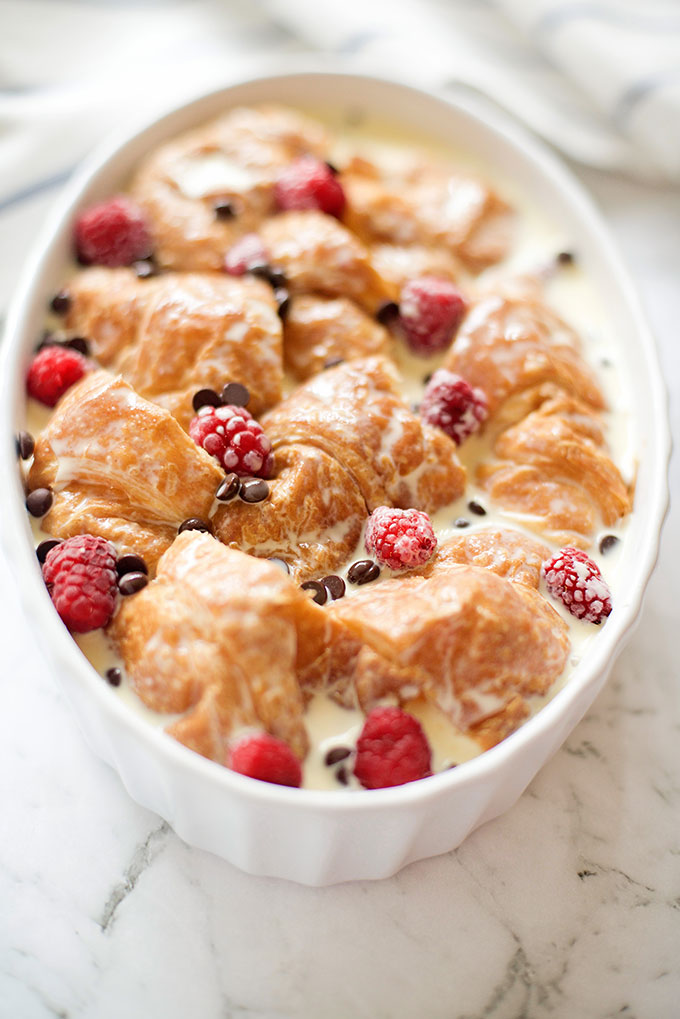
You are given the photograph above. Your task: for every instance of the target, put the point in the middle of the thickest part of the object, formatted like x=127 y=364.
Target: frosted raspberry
x=308 y=183
x=265 y=757
x=80 y=574
x=235 y=439
x=400 y=538
x=430 y=312
x=574 y=578
x=112 y=233
x=247 y=251
x=452 y=404
x=392 y=749
x=52 y=371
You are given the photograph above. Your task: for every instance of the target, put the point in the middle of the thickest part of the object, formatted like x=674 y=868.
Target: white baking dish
x=303 y=835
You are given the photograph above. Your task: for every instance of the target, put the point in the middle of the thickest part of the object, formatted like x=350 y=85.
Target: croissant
x=322 y=329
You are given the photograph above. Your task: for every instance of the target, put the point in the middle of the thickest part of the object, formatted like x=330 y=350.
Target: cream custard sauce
x=573 y=296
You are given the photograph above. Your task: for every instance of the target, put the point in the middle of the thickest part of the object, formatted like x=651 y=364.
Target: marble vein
x=142 y=858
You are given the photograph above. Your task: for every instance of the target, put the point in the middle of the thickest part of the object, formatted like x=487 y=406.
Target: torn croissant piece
x=317 y=254
x=467 y=639
x=320 y=329
x=120 y=467
x=218 y=636
x=312 y=519
x=506 y=552
x=426 y=204
x=179 y=332
x=354 y=413
x=554 y=470
x=234 y=161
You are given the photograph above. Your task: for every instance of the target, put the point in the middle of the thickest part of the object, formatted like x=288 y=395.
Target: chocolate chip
x=461 y=522
x=224 y=209
x=565 y=258
x=427 y=378
x=130 y=564
x=194 y=524
x=335 y=755
x=476 y=508
x=144 y=268
x=61 y=302
x=269 y=273
x=363 y=571
x=319 y=590
x=333 y=168
x=205 y=398
x=38 y=502
x=415 y=407
x=25 y=444
x=332 y=362
x=608 y=542
x=132 y=582
x=334 y=585
x=229 y=488
x=387 y=313
x=235 y=394
x=258 y=267
x=113 y=676
x=78 y=343
x=47 y=340
x=46 y=546
x=281 y=563
x=254 y=489
x=605 y=362
x=282 y=298
x=342 y=775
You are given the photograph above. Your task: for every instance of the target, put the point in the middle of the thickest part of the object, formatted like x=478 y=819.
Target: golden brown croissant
x=322 y=329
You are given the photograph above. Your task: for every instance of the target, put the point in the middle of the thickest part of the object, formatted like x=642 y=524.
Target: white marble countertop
x=567 y=906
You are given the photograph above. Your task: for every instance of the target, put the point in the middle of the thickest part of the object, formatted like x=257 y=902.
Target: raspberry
x=309 y=184
x=400 y=538
x=430 y=312
x=267 y=758
x=392 y=749
x=575 y=579
x=451 y=403
x=52 y=371
x=112 y=233
x=80 y=574
x=248 y=250
x=235 y=439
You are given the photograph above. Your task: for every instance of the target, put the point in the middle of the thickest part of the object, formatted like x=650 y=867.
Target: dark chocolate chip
x=332 y=362
x=194 y=524
x=333 y=168
x=224 y=209
x=334 y=585
x=427 y=378
x=605 y=362
x=254 y=489
x=476 y=508
x=144 y=268
x=61 y=302
x=25 y=445
x=132 y=582
x=78 y=343
x=130 y=564
x=235 y=394
x=38 y=502
x=415 y=407
x=229 y=488
x=259 y=267
x=608 y=542
x=320 y=594
x=271 y=274
x=387 y=313
x=46 y=340
x=113 y=676
x=281 y=563
x=205 y=398
x=282 y=301
x=565 y=258
x=335 y=755
x=46 y=546
x=363 y=571
x=341 y=775
x=461 y=522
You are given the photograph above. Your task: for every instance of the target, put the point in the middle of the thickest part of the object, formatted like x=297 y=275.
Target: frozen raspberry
x=112 y=233
x=247 y=251
x=52 y=371
x=308 y=183
x=235 y=439
x=430 y=311
x=451 y=403
x=400 y=538
x=267 y=758
x=80 y=574
x=575 y=579
x=392 y=749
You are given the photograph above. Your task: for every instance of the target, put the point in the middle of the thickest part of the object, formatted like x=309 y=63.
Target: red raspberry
x=248 y=250
x=451 y=403
x=52 y=371
x=400 y=538
x=80 y=574
x=112 y=233
x=267 y=758
x=235 y=439
x=308 y=183
x=392 y=749
x=575 y=579
x=430 y=312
